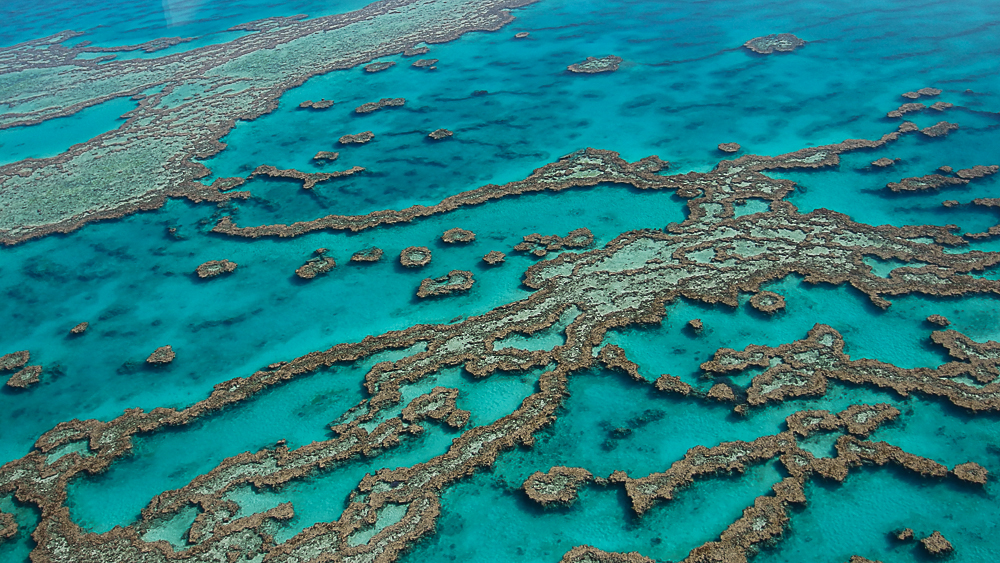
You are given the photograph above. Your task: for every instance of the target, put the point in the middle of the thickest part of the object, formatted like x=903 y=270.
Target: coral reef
x=767 y=302
x=939 y=129
x=308 y=179
x=781 y=42
x=439 y=134
x=929 y=182
x=938 y=320
x=696 y=325
x=326 y=155
x=80 y=328
x=425 y=63
x=319 y=264
x=977 y=171
x=214 y=268
x=557 y=486
x=322 y=104
x=456 y=280
x=415 y=256
x=373 y=254
x=414 y=51
x=162 y=355
x=936 y=544
x=25 y=378
x=941 y=106
x=358 y=138
x=883 y=162
x=494 y=257
x=905 y=109
x=458 y=235
x=729 y=147
x=379 y=66
x=540 y=245
x=14 y=360
x=929 y=92
x=383 y=103
x=594 y=65
x=971 y=472
x=521 y=35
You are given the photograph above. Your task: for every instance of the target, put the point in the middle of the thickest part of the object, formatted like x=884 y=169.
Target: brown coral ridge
x=14 y=360
x=781 y=42
x=456 y=234
x=439 y=134
x=494 y=257
x=357 y=138
x=319 y=264
x=425 y=63
x=936 y=544
x=558 y=486
x=929 y=92
x=80 y=328
x=594 y=65
x=214 y=268
x=440 y=405
x=322 y=104
x=383 y=103
x=939 y=129
x=379 y=66
x=162 y=355
x=767 y=302
x=584 y=168
x=415 y=256
x=905 y=109
x=977 y=171
x=802 y=368
x=540 y=245
x=929 y=182
x=25 y=378
x=729 y=147
x=456 y=280
x=308 y=179
x=373 y=254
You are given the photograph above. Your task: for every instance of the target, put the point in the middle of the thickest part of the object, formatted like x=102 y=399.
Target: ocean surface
x=685 y=86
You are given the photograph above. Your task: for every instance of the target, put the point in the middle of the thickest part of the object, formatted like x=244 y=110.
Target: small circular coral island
x=415 y=256
x=782 y=42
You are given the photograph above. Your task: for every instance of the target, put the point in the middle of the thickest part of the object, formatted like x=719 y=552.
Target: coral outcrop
x=595 y=65
x=214 y=268
x=458 y=235
x=383 y=103
x=162 y=355
x=456 y=280
x=781 y=42
x=319 y=264
x=415 y=256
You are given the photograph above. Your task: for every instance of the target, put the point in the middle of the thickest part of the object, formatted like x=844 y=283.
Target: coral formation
x=494 y=257
x=557 y=486
x=729 y=147
x=322 y=104
x=14 y=360
x=425 y=63
x=214 y=268
x=782 y=42
x=929 y=92
x=938 y=320
x=80 y=328
x=939 y=129
x=594 y=65
x=326 y=155
x=521 y=35
x=379 y=66
x=971 y=472
x=540 y=245
x=309 y=179
x=936 y=544
x=357 y=138
x=905 y=109
x=414 y=51
x=456 y=280
x=373 y=254
x=25 y=378
x=883 y=162
x=319 y=264
x=415 y=256
x=383 y=103
x=696 y=325
x=439 y=134
x=162 y=355
x=767 y=302
x=458 y=235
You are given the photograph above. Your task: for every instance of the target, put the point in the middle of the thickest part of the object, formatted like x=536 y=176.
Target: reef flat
x=186 y=103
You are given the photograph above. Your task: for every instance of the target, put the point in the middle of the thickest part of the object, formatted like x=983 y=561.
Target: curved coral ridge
x=558 y=486
x=415 y=256
x=308 y=179
x=456 y=280
x=767 y=302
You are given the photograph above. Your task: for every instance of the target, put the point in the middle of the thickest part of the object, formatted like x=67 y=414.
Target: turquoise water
x=684 y=87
